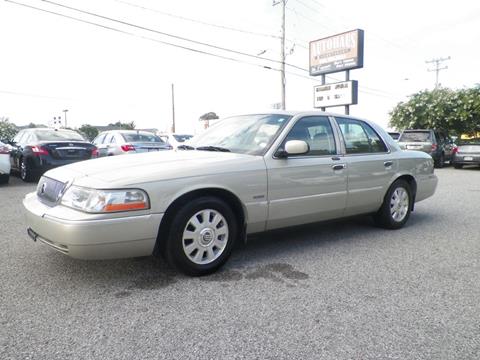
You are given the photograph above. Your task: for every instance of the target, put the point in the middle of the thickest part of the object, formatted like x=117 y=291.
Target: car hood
x=127 y=170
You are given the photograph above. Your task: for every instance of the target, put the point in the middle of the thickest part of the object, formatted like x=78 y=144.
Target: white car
x=175 y=139
x=4 y=163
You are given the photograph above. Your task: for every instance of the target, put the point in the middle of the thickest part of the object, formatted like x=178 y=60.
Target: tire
x=458 y=166
x=440 y=163
x=393 y=214
x=201 y=236
x=25 y=171
x=4 y=178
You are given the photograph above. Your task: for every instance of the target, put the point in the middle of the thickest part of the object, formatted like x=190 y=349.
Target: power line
x=175 y=45
x=142 y=36
x=198 y=21
x=167 y=34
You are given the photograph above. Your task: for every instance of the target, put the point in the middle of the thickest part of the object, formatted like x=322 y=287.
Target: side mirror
x=294 y=147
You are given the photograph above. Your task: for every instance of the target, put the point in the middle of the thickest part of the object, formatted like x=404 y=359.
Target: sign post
x=341 y=52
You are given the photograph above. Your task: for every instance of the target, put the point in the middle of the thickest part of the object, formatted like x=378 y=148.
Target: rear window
x=474 y=141
x=58 y=135
x=416 y=136
x=141 y=137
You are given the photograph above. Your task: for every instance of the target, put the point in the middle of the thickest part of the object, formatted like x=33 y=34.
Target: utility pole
x=282 y=51
x=173 y=109
x=437 y=62
x=65 y=112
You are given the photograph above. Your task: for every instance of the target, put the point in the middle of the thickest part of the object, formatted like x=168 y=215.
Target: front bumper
x=89 y=239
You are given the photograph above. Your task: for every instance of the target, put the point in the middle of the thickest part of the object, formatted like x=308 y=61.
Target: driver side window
x=317 y=132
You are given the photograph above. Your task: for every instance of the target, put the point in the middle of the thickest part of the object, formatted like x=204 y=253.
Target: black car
x=37 y=150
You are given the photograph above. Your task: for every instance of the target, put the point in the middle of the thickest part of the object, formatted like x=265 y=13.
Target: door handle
x=388 y=163
x=338 y=166
x=336 y=158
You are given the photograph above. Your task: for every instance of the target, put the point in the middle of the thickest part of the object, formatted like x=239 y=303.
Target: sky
x=116 y=72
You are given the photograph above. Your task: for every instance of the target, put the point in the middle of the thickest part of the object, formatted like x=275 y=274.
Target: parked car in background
x=175 y=139
x=37 y=150
x=4 y=163
x=244 y=175
x=433 y=142
x=395 y=135
x=119 y=142
x=467 y=152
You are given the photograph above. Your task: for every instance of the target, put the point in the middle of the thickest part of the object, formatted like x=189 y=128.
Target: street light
x=65 y=111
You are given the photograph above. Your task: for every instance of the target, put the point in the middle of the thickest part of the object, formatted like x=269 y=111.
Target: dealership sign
x=337 y=53
x=337 y=94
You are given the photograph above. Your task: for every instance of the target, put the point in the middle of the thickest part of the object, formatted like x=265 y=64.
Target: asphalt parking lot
x=343 y=290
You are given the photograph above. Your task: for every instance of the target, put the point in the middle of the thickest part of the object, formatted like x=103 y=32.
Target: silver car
x=244 y=175
x=119 y=142
x=467 y=152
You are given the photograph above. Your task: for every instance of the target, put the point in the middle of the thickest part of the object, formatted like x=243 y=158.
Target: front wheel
x=201 y=236
x=396 y=207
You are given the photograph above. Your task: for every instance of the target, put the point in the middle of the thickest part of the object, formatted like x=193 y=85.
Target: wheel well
x=232 y=200
x=413 y=185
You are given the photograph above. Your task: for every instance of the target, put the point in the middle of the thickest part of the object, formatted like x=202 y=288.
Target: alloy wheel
x=399 y=204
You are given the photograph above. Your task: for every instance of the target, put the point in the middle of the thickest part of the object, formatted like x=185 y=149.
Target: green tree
x=88 y=131
x=209 y=116
x=7 y=129
x=456 y=111
x=126 y=126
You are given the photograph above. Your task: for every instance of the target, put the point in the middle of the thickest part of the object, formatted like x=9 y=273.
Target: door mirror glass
x=296 y=147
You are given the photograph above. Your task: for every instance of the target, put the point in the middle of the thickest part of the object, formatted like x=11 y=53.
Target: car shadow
x=257 y=259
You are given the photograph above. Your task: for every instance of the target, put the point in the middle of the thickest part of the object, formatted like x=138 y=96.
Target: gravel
x=340 y=290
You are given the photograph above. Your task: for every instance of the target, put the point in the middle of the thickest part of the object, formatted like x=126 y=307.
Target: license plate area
x=468 y=158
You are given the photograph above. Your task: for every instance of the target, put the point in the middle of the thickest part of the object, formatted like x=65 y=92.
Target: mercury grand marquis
x=246 y=174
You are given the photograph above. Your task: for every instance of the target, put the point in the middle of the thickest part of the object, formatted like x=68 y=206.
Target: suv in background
x=433 y=142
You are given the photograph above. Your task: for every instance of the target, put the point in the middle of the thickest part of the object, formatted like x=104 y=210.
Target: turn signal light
x=128 y=147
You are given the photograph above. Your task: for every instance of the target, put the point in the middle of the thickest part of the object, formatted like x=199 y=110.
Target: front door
x=309 y=187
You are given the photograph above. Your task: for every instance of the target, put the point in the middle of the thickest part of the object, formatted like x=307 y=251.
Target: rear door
x=370 y=166
x=309 y=187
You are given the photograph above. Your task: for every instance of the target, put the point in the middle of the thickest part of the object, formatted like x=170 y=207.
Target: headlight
x=105 y=201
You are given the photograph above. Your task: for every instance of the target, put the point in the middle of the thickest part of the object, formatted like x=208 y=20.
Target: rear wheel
x=396 y=207
x=25 y=171
x=201 y=236
x=458 y=166
x=440 y=163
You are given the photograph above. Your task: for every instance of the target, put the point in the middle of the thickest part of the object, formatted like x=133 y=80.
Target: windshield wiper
x=185 y=147
x=213 y=148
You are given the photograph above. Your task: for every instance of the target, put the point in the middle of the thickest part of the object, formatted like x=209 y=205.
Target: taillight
x=4 y=150
x=94 y=152
x=128 y=147
x=434 y=147
x=39 y=150
x=454 y=150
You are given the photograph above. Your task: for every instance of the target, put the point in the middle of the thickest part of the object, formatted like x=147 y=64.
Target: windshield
x=247 y=134
x=415 y=136
x=141 y=137
x=182 y=138
x=58 y=135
